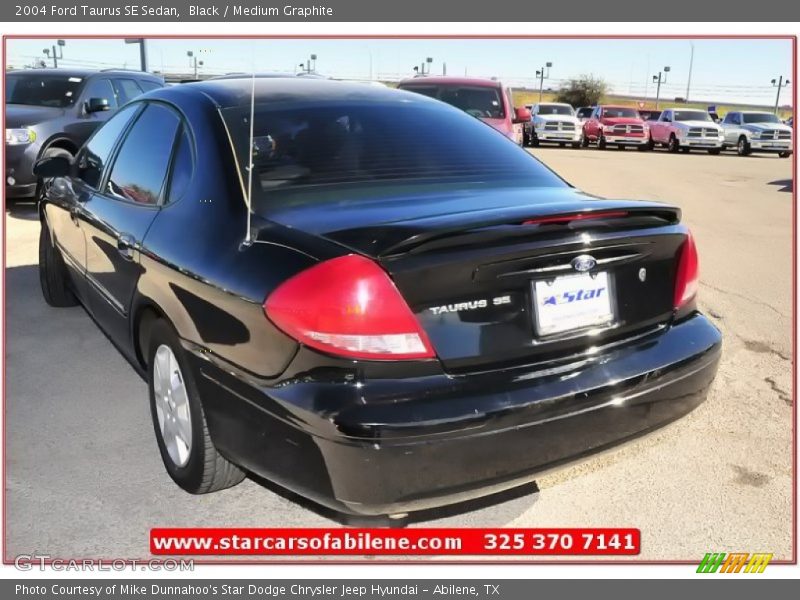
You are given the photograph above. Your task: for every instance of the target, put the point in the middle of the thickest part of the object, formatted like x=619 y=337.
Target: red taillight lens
x=348 y=306
x=608 y=214
x=687 y=279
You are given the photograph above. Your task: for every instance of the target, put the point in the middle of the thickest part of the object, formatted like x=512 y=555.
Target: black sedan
x=366 y=295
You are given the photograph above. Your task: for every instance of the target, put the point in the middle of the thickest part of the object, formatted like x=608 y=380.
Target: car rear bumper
x=454 y=438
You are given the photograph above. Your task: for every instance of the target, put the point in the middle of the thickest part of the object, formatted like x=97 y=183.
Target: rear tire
x=534 y=141
x=601 y=142
x=584 y=141
x=202 y=469
x=784 y=154
x=576 y=145
x=53 y=274
x=715 y=151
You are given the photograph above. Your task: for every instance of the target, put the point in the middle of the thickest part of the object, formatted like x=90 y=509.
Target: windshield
x=760 y=118
x=308 y=152
x=58 y=91
x=613 y=112
x=478 y=101
x=585 y=113
x=691 y=115
x=556 y=109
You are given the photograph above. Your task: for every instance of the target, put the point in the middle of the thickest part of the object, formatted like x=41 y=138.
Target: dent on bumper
x=443 y=447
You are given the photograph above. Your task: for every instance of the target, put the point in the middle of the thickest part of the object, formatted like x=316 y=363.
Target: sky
x=736 y=71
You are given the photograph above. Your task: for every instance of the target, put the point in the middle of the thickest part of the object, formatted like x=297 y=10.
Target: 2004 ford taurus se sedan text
x=366 y=295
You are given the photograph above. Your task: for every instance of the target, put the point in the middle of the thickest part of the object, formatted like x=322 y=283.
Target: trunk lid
x=477 y=265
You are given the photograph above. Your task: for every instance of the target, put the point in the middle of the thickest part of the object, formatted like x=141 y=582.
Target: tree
x=585 y=90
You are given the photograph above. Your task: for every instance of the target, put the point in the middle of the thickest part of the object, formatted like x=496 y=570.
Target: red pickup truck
x=618 y=126
x=487 y=99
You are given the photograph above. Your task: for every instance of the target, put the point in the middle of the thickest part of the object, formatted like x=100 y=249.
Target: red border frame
x=427 y=560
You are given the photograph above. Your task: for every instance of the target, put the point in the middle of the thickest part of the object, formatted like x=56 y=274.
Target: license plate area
x=573 y=302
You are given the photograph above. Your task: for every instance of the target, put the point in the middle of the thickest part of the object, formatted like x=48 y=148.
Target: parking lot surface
x=84 y=478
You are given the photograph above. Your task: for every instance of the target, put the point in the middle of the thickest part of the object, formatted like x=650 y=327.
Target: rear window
x=478 y=101
x=584 y=113
x=319 y=147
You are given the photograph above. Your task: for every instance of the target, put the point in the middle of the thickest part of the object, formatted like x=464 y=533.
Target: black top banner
x=407 y=11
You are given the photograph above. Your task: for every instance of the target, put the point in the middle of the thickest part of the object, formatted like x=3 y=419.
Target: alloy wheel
x=172 y=406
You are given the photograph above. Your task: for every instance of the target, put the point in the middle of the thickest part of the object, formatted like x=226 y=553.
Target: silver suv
x=753 y=131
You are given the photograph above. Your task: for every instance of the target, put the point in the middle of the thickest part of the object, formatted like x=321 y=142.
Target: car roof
x=229 y=93
x=445 y=80
x=84 y=72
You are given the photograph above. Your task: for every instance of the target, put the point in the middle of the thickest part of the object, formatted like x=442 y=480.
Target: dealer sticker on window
x=572 y=302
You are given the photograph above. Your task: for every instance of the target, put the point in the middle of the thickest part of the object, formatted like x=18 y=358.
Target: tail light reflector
x=348 y=306
x=687 y=279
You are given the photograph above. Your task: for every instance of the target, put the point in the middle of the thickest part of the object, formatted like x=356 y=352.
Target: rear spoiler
x=493 y=228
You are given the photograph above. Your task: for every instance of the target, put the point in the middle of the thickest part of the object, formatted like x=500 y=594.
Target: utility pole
x=142 y=51
x=660 y=78
x=194 y=62
x=541 y=75
x=779 y=83
x=691 y=63
x=58 y=52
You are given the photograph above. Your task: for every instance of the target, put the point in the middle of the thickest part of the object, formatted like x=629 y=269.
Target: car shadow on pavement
x=785 y=185
x=495 y=510
x=22 y=209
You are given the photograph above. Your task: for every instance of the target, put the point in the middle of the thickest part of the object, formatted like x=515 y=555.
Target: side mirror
x=522 y=115
x=97 y=105
x=52 y=166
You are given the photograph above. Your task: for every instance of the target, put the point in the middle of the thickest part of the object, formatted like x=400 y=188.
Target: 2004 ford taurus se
x=366 y=295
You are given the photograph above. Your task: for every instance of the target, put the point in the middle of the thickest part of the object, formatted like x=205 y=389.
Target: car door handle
x=125 y=245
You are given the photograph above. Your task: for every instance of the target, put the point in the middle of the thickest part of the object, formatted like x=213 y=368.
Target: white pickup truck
x=553 y=122
x=686 y=129
x=753 y=131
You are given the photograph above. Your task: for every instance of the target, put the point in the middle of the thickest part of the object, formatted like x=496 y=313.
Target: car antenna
x=248 y=240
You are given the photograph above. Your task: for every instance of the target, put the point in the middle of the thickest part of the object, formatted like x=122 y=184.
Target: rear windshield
x=760 y=118
x=478 y=101
x=555 y=109
x=691 y=115
x=616 y=113
x=57 y=91
x=321 y=147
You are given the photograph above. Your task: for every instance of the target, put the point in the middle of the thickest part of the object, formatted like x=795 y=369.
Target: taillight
x=348 y=306
x=687 y=279
x=603 y=214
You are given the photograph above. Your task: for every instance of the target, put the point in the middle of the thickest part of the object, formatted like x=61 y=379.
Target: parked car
x=649 y=114
x=756 y=131
x=684 y=129
x=618 y=126
x=553 y=122
x=583 y=113
x=406 y=311
x=487 y=99
x=53 y=111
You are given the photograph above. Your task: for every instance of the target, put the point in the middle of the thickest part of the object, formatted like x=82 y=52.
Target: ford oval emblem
x=583 y=263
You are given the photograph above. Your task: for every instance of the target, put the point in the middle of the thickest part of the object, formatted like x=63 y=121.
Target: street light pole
x=542 y=77
x=779 y=83
x=57 y=52
x=689 y=80
x=659 y=79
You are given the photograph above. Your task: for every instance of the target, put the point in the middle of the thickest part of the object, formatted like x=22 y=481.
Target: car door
x=593 y=123
x=122 y=210
x=731 y=124
x=67 y=196
x=662 y=127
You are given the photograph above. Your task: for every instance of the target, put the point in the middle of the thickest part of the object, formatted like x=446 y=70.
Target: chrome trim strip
x=568 y=266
